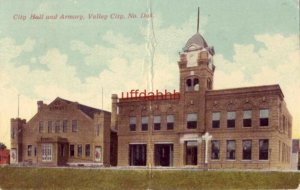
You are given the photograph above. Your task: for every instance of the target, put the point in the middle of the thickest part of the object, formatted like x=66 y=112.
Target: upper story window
x=97 y=129
x=74 y=126
x=50 y=127
x=57 y=126
x=264 y=117
x=231 y=119
x=41 y=126
x=65 y=126
x=145 y=120
x=170 y=122
x=247 y=118
x=192 y=84
x=156 y=121
x=216 y=120
x=192 y=121
x=132 y=123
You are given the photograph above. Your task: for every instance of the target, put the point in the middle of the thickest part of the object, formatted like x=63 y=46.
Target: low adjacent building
x=295 y=154
x=64 y=133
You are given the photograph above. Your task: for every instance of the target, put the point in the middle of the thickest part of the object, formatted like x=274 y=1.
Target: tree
x=2 y=145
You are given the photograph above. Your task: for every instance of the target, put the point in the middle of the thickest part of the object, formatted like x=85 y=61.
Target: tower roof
x=197 y=40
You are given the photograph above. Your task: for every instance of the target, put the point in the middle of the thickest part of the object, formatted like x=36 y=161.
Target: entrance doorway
x=191 y=152
x=137 y=154
x=163 y=154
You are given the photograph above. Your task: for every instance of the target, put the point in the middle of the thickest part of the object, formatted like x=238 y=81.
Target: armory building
x=205 y=128
x=64 y=133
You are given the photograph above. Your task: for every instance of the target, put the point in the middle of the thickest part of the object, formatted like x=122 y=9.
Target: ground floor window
x=163 y=154
x=191 y=152
x=247 y=149
x=137 y=154
x=230 y=150
x=264 y=149
x=47 y=152
x=72 y=150
x=215 y=150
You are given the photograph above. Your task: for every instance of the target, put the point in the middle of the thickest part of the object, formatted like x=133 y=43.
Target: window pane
x=215 y=150
x=248 y=114
x=192 y=117
x=264 y=113
x=216 y=116
x=247 y=149
x=230 y=150
x=132 y=120
x=263 y=149
x=145 y=119
x=156 y=119
x=170 y=118
x=231 y=115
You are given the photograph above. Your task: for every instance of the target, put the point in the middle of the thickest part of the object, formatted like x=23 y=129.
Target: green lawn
x=57 y=178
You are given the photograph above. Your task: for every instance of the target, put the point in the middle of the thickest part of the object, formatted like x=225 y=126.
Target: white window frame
x=47 y=152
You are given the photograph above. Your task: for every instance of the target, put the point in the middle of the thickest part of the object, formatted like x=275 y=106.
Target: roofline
x=263 y=88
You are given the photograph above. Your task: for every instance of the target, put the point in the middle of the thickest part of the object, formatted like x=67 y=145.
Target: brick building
x=4 y=157
x=64 y=133
x=249 y=127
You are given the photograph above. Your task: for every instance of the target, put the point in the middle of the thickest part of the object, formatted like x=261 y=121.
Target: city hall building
x=203 y=127
x=64 y=133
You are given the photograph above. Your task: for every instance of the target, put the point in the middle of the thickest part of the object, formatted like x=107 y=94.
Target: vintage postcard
x=149 y=94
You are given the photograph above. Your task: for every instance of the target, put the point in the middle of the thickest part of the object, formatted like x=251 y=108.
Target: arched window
x=188 y=85
x=196 y=84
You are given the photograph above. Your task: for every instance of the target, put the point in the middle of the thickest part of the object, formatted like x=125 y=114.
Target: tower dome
x=197 y=41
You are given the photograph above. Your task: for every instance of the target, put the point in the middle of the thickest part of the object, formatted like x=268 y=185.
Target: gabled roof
x=89 y=111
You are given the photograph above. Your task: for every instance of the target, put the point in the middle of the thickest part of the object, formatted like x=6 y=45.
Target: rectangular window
x=35 y=151
x=87 y=150
x=79 y=150
x=74 y=126
x=263 y=149
x=57 y=126
x=170 y=122
x=145 y=123
x=72 y=150
x=65 y=126
x=46 y=152
x=156 y=121
x=247 y=118
x=50 y=127
x=98 y=129
x=264 y=117
x=29 y=150
x=247 y=149
x=192 y=121
x=231 y=119
x=216 y=120
x=215 y=150
x=230 y=154
x=132 y=123
x=41 y=126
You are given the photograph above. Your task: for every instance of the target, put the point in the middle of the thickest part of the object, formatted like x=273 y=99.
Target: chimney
x=40 y=105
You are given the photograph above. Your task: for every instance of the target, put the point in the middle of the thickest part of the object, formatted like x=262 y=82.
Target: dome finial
x=198 y=20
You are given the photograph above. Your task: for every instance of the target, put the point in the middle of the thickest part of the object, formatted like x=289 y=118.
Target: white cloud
x=277 y=62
